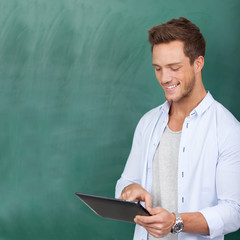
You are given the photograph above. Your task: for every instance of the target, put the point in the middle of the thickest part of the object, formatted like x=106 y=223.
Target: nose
x=165 y=76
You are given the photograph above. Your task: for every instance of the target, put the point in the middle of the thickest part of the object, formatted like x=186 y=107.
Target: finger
x=146 y=219
x=158 y=218
x=148 y=201
x=156 y=234
x=152 y=227
x=156 y=230
x=129 y=196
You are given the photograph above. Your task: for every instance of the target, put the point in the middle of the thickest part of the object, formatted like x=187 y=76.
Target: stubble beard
x=187 y=91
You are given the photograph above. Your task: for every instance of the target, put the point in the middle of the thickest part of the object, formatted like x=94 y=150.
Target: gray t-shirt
x=165 y=171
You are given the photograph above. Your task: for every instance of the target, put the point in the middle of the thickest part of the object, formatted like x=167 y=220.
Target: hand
x=159 y=224
x=135 y=192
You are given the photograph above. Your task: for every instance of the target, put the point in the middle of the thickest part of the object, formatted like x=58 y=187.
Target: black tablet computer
x=113 y=208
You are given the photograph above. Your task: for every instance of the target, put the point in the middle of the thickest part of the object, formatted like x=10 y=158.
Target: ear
x=198 y=64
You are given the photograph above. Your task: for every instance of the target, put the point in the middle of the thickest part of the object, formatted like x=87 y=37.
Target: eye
x=175 y=69
x=157 y=69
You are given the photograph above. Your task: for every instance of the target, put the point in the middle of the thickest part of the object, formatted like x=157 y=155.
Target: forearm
x=195 y=223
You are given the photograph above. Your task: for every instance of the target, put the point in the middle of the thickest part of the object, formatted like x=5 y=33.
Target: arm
x=132 y=173
x=195 y=223
x=161 y=222
x=224 y=217
x=135 y=168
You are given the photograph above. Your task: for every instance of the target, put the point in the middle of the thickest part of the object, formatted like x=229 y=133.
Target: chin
x=177 y=97
x=172 y=98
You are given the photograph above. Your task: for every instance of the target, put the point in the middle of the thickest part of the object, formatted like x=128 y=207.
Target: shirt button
x=183 y=149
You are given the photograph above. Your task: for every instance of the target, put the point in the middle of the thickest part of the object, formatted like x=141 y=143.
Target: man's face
x=173 y=70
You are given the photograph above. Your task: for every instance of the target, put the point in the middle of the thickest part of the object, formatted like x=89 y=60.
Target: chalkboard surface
x=75 y=77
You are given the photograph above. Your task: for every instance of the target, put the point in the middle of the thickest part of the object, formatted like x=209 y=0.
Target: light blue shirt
x=208 y=165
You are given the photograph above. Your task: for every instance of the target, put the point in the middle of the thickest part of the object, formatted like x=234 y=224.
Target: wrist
x=178 y=224
x=173 y=219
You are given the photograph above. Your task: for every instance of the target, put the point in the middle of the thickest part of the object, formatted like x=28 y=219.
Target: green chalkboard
x=75 y=77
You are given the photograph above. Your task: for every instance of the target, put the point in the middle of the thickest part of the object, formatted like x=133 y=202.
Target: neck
x=183 y=108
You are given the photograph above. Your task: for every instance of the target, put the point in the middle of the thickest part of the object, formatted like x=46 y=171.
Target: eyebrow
x=169 y=65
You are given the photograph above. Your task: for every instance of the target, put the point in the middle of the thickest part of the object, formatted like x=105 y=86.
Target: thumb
x=155 y=211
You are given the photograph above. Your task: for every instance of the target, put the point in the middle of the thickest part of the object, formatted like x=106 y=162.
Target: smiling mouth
x=172 y=86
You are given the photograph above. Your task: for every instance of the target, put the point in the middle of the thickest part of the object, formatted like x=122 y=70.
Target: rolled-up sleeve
x=222 y=218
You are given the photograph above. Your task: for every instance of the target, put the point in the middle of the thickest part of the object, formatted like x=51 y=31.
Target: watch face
x=178 y=227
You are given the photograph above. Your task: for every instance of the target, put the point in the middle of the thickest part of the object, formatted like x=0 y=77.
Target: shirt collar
x=165 y=107
x=201 y=107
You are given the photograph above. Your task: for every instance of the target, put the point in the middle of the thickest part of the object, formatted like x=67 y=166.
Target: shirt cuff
x=214 y=222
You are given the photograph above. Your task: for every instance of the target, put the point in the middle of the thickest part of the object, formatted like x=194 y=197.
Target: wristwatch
x=178 y=225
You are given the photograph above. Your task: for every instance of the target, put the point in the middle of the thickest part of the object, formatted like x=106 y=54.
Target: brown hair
x=183 y=30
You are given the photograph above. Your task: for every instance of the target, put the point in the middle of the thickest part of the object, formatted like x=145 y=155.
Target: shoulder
x=155 y=113
x=213 y=111
x=228 y=128
x=224 y=117
x=150 y=118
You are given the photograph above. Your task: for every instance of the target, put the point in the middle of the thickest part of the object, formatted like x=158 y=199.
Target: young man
x=185 y=158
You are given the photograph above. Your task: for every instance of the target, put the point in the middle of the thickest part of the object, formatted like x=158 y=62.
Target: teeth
x=173 y=86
